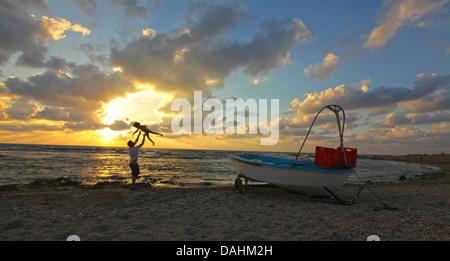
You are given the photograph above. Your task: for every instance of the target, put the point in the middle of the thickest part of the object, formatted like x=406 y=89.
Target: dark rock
x=10 y=187
x=402 y=178
x=54 y=182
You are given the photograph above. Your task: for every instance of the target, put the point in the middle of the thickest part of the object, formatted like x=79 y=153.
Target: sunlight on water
x=23 y=164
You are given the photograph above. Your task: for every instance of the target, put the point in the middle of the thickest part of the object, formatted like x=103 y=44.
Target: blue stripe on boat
x=277 y=162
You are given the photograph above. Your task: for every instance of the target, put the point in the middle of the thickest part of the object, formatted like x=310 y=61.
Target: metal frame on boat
x=302 y=176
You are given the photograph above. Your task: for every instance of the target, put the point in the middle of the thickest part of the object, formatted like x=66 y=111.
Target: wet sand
x=261 y=213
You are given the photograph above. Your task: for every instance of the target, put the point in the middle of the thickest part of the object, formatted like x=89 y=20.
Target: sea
x=89 y=165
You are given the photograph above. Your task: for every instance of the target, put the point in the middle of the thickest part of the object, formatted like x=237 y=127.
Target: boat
x=303 y=175
x=305 y=178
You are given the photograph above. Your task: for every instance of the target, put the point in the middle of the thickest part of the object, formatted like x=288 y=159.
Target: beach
x=112 y=211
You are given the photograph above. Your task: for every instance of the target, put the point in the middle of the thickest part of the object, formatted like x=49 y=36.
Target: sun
x=141 y=106
x=114 y=111
x=108 y=137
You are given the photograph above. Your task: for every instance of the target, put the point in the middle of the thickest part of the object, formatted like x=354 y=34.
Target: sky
x=80 y=72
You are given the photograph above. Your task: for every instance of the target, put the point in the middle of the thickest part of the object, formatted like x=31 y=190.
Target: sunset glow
x=142 y=106
x=81 y=74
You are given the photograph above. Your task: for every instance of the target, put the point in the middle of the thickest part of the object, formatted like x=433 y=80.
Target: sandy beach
x=261 y=213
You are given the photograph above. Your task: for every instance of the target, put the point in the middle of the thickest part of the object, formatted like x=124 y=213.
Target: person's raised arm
x=137 y=129
x=143 y=141
x=137 y=137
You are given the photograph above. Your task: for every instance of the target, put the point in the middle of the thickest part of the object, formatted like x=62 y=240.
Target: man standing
x=134 y=152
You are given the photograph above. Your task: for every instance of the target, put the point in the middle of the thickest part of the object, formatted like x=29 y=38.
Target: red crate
x=334 y=158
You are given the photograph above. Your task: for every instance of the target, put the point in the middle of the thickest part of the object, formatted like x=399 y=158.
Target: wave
x=89 y=165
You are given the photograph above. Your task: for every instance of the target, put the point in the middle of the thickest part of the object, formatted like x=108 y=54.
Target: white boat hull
x=310 y=180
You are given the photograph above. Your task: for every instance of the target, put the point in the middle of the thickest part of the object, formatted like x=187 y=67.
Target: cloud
x=206 y=20
x=395 y=119
x=377 y=100
x=403 y=133
x=25 y=33
x=28 y=127
x=416 y=118
x=201 y=57
x=406 y=111
x=150 y=33
x=439 y=100
x=72 y=96
x=344 y=42
x=398 y=139
x=21 y=110
x=397 y=14
x=53 y=113
x=54 y=28
x=61 y=89
x=82 y=126
x=439 y=45
x=93 y=51
x=131 y=8
x=76 y=99
x=11 y=6
x=119 y=125
x=260 y=79
x=324 y=70
x=87 y=6
x=441 y=129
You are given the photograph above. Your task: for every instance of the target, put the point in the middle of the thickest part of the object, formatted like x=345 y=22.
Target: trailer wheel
x=238 y=185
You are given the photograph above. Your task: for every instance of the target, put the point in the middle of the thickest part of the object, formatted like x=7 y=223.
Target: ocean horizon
x=88 y=165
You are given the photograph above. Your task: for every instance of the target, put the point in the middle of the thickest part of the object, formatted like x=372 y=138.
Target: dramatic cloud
x=68 y=95
x=395 y=119
x=201 y=57
x=52 y=100
x=133 y=68
x=29 y=127
x=54 y=29
x=64 y=114
x=24 y=33
x=76 y=99
x=324 y=70
x=21 y=110
x=378 y=100
x=119 y=125
x=397 y=14
x=441 y=129
x=439 y=100
x=406 y=111
x=61 y=89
